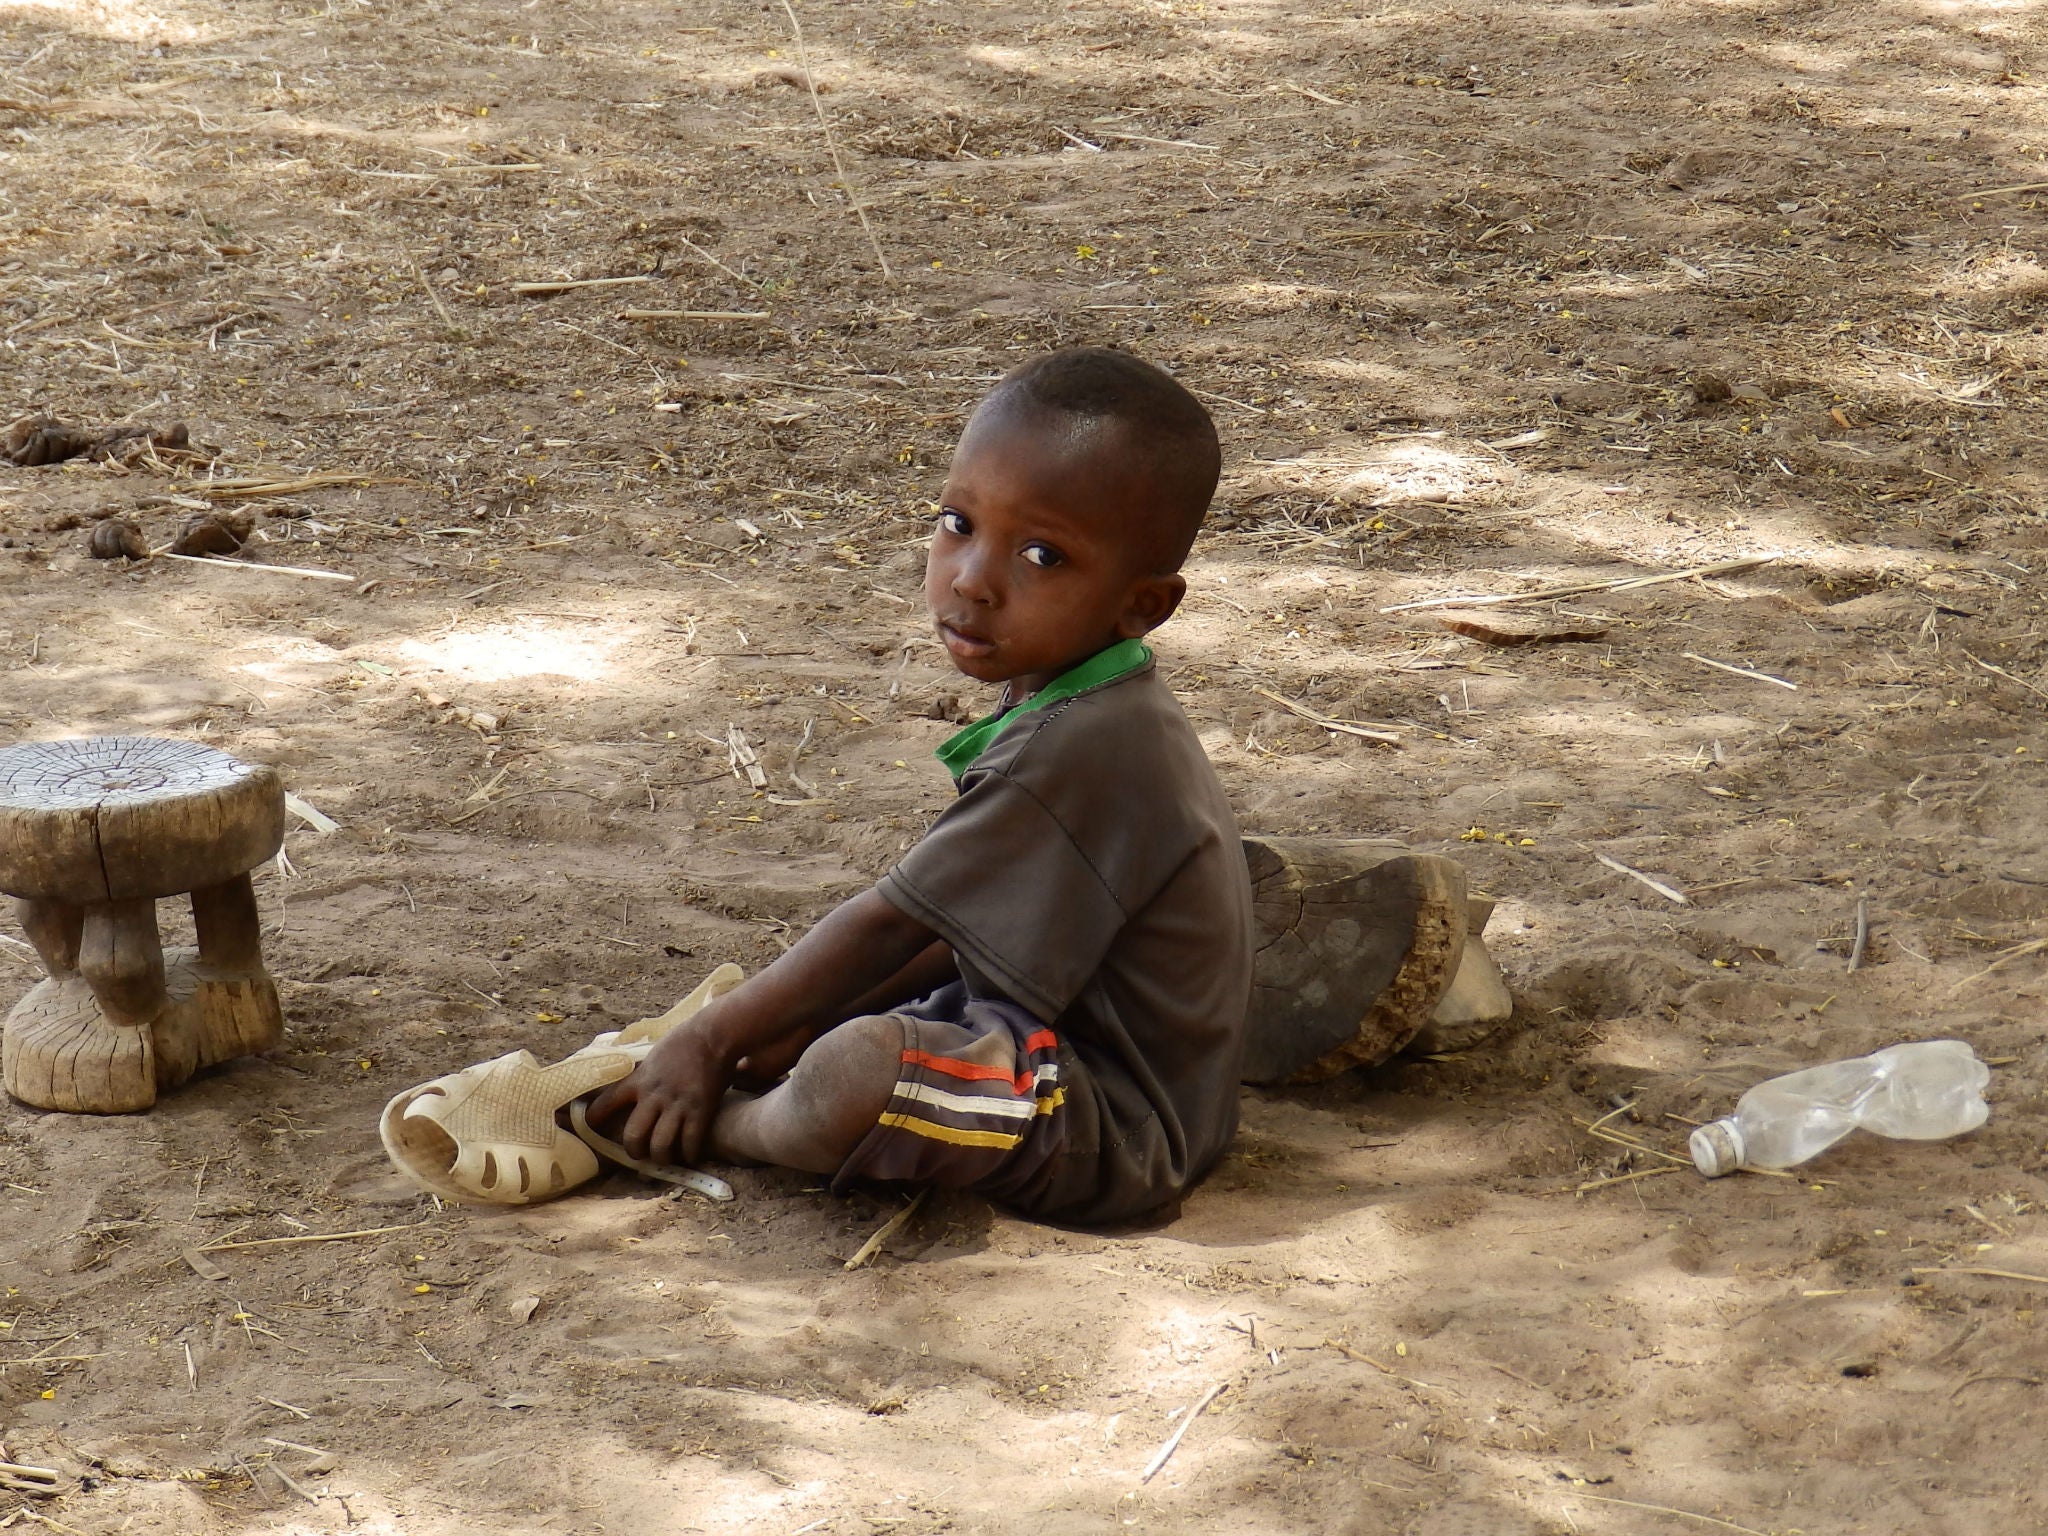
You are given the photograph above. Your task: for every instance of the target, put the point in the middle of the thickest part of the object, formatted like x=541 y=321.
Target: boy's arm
x=928 y=972
x=672 y=1097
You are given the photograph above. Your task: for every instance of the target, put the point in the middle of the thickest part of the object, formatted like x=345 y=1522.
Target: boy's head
x=1073 y=498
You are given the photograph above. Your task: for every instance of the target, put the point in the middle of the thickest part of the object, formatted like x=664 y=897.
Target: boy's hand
x=861 y=951
x=670 y=1099
x=763 y=1067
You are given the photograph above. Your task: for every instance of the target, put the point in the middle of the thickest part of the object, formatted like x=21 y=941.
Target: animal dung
x=211 y=533
x=117 y=539
x=34 y=441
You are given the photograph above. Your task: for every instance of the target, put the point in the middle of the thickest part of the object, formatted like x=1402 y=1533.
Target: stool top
x=115 y=818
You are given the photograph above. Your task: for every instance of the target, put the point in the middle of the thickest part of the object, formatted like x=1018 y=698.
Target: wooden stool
x=1363 y=948
x=92 y=833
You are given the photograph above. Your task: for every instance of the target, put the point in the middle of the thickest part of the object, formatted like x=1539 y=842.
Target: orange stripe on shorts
x=969 y=1071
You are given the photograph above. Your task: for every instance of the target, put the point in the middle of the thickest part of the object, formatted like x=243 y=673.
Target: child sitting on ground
x=1045 y=1000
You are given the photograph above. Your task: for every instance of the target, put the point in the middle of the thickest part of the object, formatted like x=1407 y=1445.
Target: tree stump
x=1477 y=1001
x=1356 y=941
x=93 y=832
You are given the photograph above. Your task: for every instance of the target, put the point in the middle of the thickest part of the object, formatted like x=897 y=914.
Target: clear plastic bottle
x=1923 y=1091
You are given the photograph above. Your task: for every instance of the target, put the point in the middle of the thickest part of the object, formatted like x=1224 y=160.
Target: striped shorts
x=981 y=1101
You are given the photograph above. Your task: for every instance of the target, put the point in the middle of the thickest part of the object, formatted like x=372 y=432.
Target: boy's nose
x=970 y=579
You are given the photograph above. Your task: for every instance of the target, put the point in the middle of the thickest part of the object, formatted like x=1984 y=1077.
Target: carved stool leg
x=81 y=1040
x=230 y=936
x=234 y=1007
x=122 y=957
x=54 y=927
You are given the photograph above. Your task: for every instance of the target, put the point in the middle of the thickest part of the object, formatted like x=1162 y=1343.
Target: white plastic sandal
x=488 y=1134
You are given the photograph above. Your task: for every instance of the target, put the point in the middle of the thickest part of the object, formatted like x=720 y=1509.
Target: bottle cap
x=1717 y=1148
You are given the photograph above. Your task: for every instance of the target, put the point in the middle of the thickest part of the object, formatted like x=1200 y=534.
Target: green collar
x=1105 y=666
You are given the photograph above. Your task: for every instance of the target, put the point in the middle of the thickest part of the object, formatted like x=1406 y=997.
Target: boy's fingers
x=634 y=1137
x=661 y=1146
x=609 y=1101
x=690 y=1142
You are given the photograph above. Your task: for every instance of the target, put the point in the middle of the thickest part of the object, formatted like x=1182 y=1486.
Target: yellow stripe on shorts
x=918 y=1126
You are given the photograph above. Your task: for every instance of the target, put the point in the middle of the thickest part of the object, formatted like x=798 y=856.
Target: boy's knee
x=858 y=1053
x=844 y=1082
x=830 y=1101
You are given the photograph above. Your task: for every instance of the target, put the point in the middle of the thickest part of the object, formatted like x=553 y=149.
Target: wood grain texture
x=61 y=1053
x=55 y=928
x=122 y=959
x=1356 y=940
x=112 y=818
x=230 y=933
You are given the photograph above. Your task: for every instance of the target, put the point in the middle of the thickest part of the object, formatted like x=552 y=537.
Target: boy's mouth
x=964 y=643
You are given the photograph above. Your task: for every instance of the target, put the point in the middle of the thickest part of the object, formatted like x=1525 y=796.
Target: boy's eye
x=952 y=522
x=1043 y=554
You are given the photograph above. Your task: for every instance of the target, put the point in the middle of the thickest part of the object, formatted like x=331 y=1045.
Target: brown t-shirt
x=1091 y=872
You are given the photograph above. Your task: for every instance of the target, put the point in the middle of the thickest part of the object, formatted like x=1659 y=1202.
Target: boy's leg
x=830 y=1101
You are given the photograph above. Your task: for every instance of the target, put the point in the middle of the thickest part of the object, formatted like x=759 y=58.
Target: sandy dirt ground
x=1485 y=296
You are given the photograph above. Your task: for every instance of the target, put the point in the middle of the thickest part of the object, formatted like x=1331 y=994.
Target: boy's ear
x=1151 y=603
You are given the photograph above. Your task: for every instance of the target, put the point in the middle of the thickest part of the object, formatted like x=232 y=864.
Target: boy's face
x=1041 y=557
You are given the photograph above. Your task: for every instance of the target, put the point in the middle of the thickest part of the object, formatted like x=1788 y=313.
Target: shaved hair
x=1167 y=439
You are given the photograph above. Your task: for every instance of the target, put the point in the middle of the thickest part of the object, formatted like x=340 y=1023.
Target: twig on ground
x=1862 y=933
x=1971 y=1269
x=887 y=1230
x=832 y=141
x=311 y=1237
x=2017 y=952
x=1576 y=589
x=1666 y=1509
x=287 y=1407
x=568 y=283
x=796 y=755
x=693 y=314
x=699 y=250
x=292 y=1483
x=259 y=485
x=1725 y=666
x=1622 y=1178
x=1348 y=727
x=2024 y=186
x=251 y=565
x=1670 y=891
x=1312 y=95
x=433 y=298
x=1144 y=138
x=2009 y=677
x=1601 y=1131
x=1384 y=1369
x=1166 y=1451
x=741 y=757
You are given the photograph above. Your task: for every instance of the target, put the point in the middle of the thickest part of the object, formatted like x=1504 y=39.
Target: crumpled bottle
x=1922 y=1091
